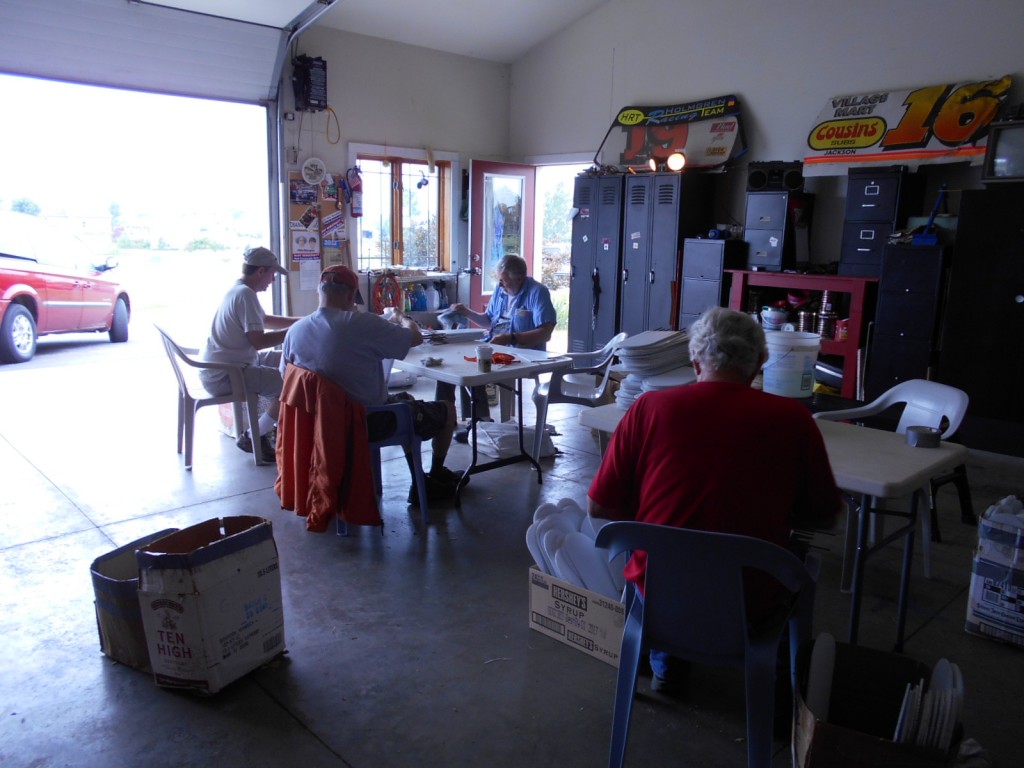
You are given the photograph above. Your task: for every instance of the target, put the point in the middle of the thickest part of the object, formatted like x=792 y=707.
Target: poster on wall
x=707 y=133
x=934 y=124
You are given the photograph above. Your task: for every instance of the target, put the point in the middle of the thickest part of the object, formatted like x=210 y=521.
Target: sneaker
x=268 y=450
x=666 y=687
x=244 y=442
x=461 y=435
x=445 y=475
x=436 y=491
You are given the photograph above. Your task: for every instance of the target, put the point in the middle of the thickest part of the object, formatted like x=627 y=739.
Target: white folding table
x=868 y=463
x=454 y=368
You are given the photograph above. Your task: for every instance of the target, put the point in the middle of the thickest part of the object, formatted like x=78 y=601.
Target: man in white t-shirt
x=242 y=332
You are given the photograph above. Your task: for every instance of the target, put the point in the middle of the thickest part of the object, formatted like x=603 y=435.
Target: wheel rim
x=21 y=334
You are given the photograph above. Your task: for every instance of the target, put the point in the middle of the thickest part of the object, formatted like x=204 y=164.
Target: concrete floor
x=410 y=649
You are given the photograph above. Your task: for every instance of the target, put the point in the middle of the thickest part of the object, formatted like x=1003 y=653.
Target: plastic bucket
x=791 y=358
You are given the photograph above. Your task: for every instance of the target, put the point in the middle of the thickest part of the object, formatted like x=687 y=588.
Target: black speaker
x=772 y=176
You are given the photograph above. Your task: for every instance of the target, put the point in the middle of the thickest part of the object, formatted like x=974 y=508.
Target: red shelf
x=859 y=289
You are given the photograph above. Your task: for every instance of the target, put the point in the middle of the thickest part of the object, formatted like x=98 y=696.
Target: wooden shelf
x=861 y=290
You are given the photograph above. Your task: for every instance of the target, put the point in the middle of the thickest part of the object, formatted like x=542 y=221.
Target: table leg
x=908 y=552
x=858 y=566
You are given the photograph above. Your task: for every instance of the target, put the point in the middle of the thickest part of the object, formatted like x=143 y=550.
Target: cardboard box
x=210 y=597
x=582 y=619
x=995 y=603
x=115 y=582
x=867 y=694
x=226 y=412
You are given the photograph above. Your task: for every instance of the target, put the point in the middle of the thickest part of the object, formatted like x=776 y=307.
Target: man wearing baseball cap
x=348 y=347
x=242 y=332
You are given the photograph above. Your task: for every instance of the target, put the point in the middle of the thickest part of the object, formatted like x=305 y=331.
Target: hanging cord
x=327 y=131
x=386 y=293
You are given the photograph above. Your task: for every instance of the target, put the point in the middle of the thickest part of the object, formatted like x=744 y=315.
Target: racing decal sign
x=707 y=132
x=936 y=124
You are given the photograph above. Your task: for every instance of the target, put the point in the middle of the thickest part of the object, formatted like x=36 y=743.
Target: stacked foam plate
x=930 y=715
x=674 y=378
x=561 y=540
x=647 y=355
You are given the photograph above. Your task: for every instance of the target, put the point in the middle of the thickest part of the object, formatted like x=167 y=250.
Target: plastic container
x=433 y=299
x=792 y=356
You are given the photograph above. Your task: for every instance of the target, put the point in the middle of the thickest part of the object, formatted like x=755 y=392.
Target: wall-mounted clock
x=314 y=170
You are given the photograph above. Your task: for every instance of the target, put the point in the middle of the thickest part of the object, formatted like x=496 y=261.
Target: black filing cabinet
x=878 y=202
x=764 y=229
x=704 y=263
x=907 y=316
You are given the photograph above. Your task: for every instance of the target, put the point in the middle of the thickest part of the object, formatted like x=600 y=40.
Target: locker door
x=608 y=259
x=663 y=261
x=581 y=265
x=636 y=238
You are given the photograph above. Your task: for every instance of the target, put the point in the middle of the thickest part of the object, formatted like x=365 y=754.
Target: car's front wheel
x=119 y=325
x=17 y=335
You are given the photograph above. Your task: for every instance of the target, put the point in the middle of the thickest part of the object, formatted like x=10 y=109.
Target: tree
x=24 y=205
x=557 y=203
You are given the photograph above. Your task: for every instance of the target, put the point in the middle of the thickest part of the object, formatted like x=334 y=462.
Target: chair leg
x=190 y=428
x=253 y=408
x=420 y=478
x=541 y=404
x=625 y=685
x=181 y=421
x=760 y=674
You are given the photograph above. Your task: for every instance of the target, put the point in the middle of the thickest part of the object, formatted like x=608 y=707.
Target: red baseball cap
x=342 y=275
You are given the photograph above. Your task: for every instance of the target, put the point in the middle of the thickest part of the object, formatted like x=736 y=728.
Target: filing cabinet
x=878 y=202
x=907 y=316
x=772 y=225
x=703 y=284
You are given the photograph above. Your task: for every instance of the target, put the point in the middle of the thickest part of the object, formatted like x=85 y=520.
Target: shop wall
x=784 y=59
x=401 y=95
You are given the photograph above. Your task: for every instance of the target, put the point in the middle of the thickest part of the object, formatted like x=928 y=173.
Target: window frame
x=447 y=168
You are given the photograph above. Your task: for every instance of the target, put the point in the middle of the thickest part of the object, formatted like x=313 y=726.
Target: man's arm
x=532 y=338
x=480 y=318
x=265 y=339
x=278 y=322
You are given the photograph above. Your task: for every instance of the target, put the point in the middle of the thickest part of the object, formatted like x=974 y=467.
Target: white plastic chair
x=926 y=404
x=586 y=383
x=192 y=395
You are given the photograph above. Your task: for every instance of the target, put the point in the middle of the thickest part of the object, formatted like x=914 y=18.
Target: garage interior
x=407 y=648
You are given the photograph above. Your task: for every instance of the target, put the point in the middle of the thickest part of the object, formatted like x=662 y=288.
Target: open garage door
x=192 y=49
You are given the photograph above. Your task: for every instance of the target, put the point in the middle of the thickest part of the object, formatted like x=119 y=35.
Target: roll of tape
x=923 y=437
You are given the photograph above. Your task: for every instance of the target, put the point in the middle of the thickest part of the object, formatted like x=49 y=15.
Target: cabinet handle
x=625 y=275
x=652 y=277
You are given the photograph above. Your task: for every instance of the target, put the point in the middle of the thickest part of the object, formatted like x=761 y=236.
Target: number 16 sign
x=934 y=124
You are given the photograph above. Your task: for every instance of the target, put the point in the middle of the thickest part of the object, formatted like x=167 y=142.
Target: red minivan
x=50 y=283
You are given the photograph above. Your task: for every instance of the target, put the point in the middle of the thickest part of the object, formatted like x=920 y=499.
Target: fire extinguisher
x=355 y=185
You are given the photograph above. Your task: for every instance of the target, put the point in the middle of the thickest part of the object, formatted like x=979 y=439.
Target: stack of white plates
x=561 y=540
x=674 y=378
x=648 y=355
x=929 y=718
x=630 y=388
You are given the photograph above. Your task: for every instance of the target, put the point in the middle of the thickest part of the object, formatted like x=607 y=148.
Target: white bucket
x=790 y=368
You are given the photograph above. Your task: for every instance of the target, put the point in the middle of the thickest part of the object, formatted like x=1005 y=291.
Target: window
x=406 y=213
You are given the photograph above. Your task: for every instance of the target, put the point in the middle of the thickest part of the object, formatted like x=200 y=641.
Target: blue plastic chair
x=694 y=609
x=404 y=435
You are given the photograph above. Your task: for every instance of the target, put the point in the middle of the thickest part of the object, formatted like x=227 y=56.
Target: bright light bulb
x=652 y=164
x=676 y=161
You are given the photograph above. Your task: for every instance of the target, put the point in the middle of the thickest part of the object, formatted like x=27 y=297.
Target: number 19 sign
x=935 y=124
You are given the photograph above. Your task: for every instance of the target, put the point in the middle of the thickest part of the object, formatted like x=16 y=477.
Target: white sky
x=77 y=149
